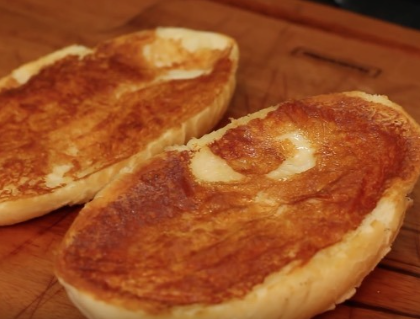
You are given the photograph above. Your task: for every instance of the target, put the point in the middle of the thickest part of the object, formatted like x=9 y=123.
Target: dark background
x=403 y=12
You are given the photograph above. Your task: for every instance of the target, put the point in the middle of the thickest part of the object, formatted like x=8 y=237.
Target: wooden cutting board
x=288 y=50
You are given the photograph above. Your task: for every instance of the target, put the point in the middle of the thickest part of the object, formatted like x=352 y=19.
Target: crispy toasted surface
x=83 y=113
x=296 y=180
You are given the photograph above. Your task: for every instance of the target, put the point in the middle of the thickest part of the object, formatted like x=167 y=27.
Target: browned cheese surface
x=173 y=240
x=289 y=49
x=95 y=111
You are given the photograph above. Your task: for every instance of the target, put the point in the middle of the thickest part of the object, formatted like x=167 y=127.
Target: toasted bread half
x=280 y=214
x=73 y=119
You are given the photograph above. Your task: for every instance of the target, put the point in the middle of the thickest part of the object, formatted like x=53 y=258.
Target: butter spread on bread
x=72 y=120
x=281 y=214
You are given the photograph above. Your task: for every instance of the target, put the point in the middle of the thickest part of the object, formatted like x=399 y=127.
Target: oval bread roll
x=281 y=214
x=72 y=120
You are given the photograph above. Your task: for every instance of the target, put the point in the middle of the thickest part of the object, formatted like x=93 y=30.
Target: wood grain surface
x=289 y=49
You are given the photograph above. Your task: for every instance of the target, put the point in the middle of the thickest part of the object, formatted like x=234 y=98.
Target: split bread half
x=280 y=214
x=72 y=120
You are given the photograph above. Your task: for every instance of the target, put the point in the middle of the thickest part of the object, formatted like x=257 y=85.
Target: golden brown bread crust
x=70 y=126
x=172 y=241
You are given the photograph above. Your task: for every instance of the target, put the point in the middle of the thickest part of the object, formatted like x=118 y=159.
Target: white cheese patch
x=72 y=150
x=161 y=55
x=56 y=177
x=174 y=45
x=194 y=40
x=303 y=160
x=208 y=167
x=263 y=198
